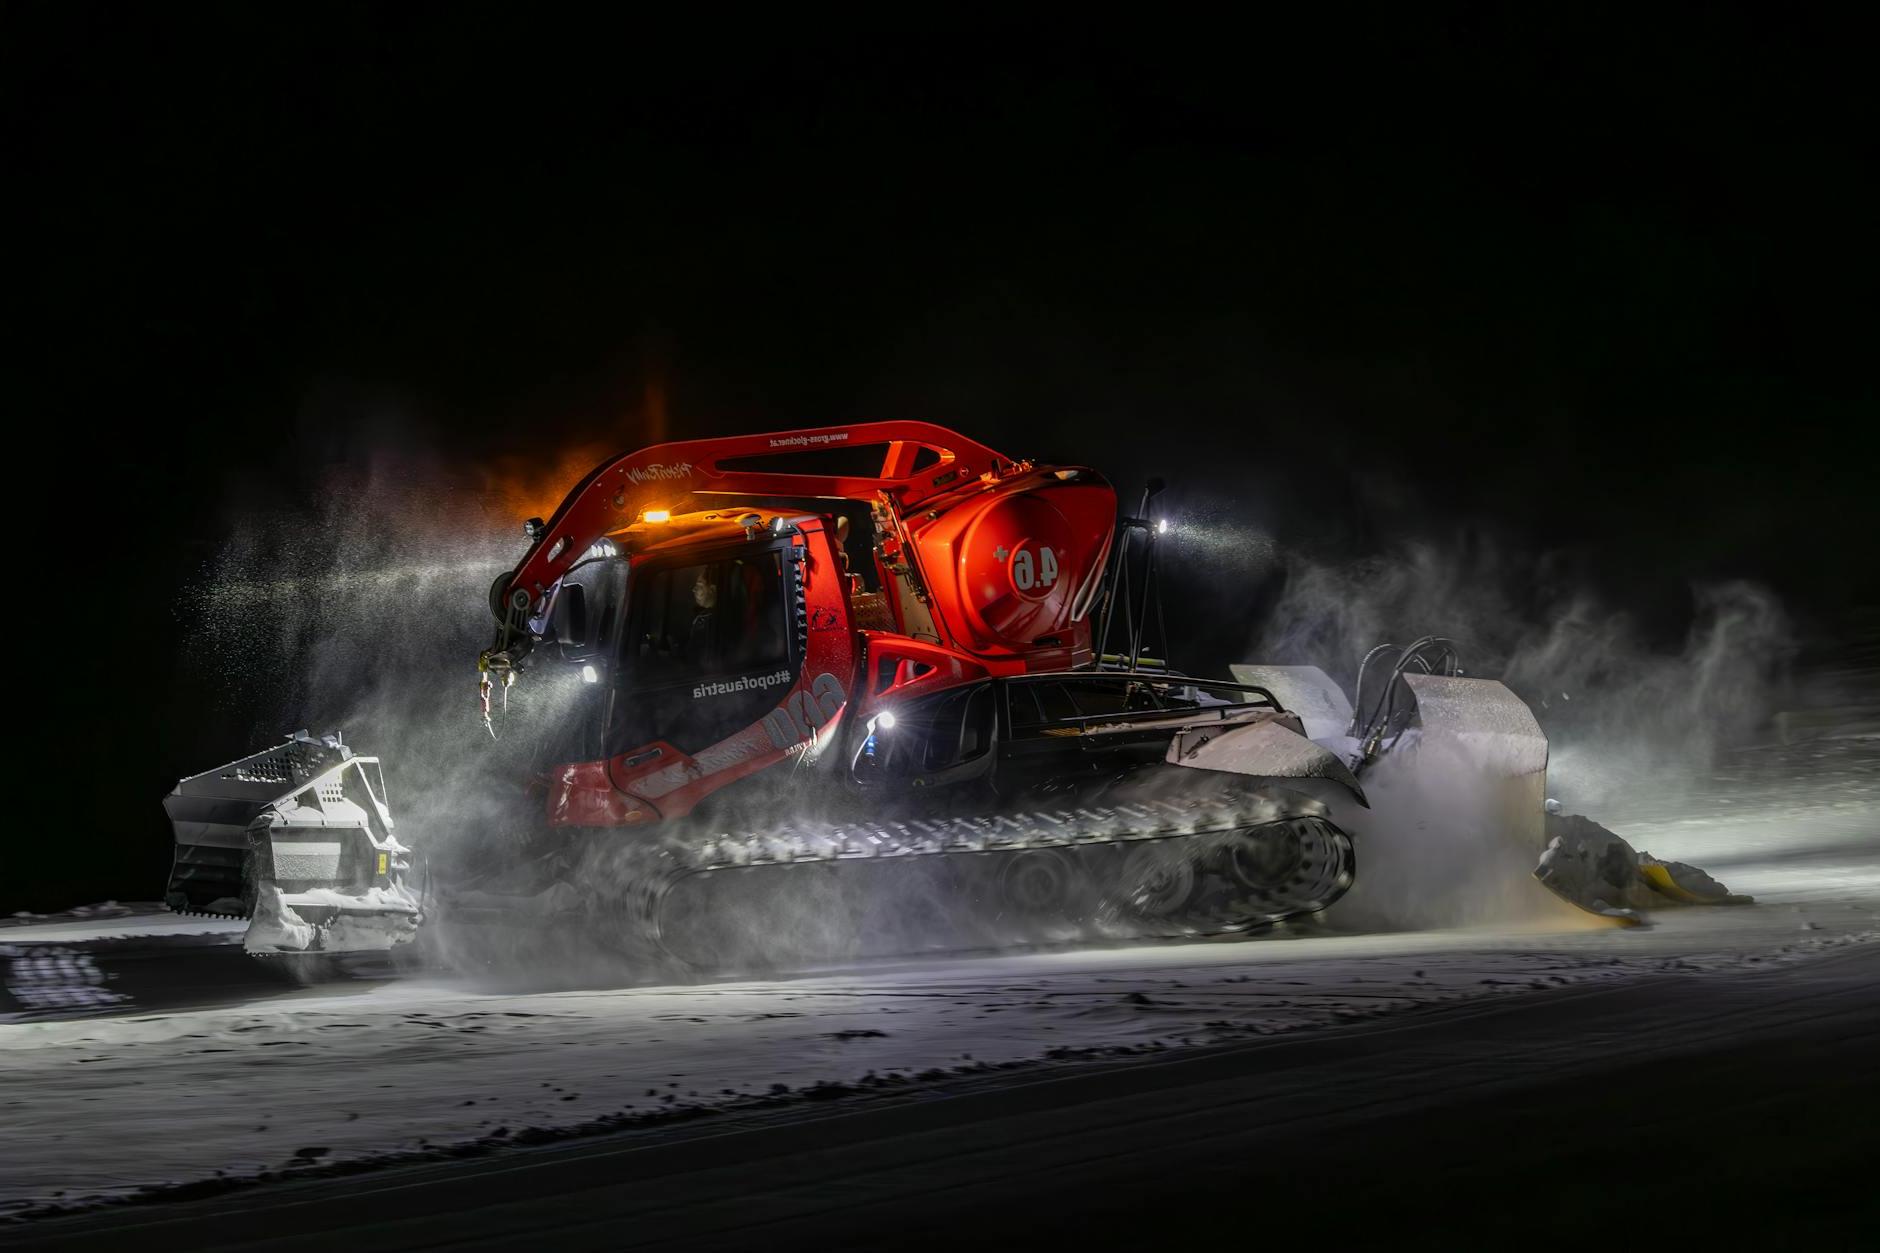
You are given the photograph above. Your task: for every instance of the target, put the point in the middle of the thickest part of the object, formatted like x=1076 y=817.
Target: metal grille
x=290 y=763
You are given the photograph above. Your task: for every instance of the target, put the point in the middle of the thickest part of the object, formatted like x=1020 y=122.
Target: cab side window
x=938 y=733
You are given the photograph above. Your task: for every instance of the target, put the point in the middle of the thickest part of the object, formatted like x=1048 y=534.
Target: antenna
x=1133 y=562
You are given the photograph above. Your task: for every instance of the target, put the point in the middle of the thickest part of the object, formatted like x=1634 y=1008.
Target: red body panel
x=1007 y=568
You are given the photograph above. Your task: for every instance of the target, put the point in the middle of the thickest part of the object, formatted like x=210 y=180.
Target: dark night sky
x=1604 y=287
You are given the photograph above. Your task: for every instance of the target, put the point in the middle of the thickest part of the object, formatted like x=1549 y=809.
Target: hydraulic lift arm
x=615 y=493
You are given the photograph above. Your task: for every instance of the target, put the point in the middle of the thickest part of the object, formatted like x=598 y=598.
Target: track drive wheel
x=1043 y=884
x=1263 y=858
x=1157 y=881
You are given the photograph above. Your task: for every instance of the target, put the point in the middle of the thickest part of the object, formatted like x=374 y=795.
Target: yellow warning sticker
x=382 y=861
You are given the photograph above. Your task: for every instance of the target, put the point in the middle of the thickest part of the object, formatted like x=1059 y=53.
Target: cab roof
x=723 y=525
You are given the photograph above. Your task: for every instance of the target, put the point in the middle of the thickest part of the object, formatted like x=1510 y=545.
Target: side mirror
x=568 y=619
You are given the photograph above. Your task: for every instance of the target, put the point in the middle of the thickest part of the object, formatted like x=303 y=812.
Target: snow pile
x=275 y=926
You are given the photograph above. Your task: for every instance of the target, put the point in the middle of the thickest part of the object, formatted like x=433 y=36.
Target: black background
x=1601 y=288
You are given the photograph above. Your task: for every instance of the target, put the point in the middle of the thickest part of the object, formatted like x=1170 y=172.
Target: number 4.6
x=1026 y=576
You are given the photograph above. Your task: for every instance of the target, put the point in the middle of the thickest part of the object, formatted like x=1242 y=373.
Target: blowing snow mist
x=1625 y=719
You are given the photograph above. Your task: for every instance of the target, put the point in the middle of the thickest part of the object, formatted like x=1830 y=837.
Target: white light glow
x=656 y=515
x=884 y=721
x=590 y=675
x=1161 y=527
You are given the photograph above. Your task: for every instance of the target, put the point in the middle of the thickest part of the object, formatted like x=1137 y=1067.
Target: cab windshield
x=706 y=650
x=707 y=619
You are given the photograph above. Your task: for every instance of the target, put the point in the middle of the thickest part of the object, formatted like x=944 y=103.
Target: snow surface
x=135 y=1102
x=109 y=1107
x=111 y=921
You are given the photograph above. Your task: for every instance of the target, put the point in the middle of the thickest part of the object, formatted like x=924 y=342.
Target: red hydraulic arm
x=615 y=492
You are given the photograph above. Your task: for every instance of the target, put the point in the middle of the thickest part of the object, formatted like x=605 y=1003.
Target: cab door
x=708 y=646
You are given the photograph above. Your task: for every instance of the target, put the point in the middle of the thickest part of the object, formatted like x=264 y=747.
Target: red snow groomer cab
x=746 y=599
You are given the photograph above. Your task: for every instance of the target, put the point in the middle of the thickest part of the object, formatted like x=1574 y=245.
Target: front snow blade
x=298 y=839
